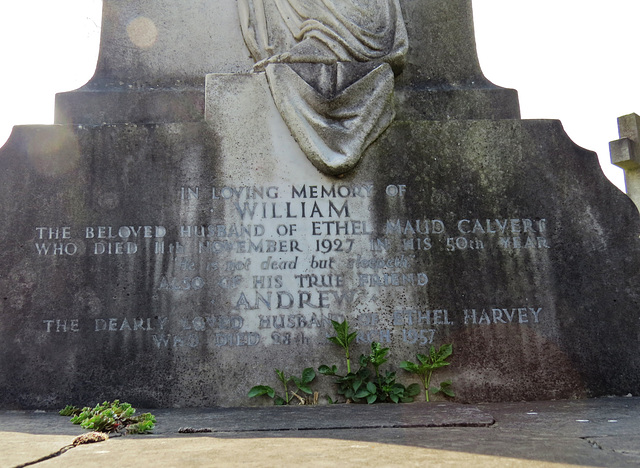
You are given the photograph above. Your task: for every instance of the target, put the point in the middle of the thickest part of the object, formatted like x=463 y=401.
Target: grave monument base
x=116 y=286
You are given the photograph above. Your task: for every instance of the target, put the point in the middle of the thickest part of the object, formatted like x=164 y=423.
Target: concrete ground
x=600 y=432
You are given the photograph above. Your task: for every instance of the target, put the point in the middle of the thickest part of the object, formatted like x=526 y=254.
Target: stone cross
x=625 y=153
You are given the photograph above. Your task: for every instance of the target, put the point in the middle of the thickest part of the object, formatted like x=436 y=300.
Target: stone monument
x=239 y=173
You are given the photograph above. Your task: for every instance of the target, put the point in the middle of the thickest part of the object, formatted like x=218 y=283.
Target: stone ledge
x=353 y=416
x=95 y=107
x=456 y=103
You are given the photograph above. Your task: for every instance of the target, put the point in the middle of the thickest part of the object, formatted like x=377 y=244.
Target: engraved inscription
x=275 y=264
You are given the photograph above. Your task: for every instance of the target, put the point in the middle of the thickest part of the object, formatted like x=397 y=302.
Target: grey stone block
x=624 y=154
x=108 y=291
x=96 y=106
x=442 y=79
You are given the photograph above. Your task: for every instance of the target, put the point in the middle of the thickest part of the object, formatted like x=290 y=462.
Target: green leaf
x=279 y=401
x=338 y=326
x=422 y=358
x=282 y=377
x=351 y=337
x=326 y=370
x=438 y=365
x=371 y=387
x=147 y=417
x=445 y=387
x=372 y=398
x=84 y=414
x=447 y=391
x=377 y=356
x=336 y=340
x=398 y=389
x=308 y=375
x=305 y=389
x=260 y=390
x=445 y=351
x=343 y=338
x=346 y=379
x=70 y=411
x=357 y=384
x=362 y=393
x=409 y=366
x=412 y=390
x=143 y=427
x=394 y=398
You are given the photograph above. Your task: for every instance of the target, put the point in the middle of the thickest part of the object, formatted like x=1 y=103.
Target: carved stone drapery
x=330 y=66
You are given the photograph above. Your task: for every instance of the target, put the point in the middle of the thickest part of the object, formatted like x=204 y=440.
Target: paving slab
x=599 y=433
x=312 y=418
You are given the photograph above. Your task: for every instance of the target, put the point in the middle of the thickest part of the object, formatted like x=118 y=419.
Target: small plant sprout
x=284 y=380
x=362 y=385
x=301 y=383
x=111 y=417
x=427 y=364
x=378 y=357
x=343 y=338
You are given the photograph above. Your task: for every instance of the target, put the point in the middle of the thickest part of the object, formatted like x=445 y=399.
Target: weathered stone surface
x=178 y=258
x=596 y=432
x=154 y=56
x=442 y=79
x=311 y=418
x=110 y=291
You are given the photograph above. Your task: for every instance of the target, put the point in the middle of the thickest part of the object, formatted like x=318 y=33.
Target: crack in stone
x=593 y=443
